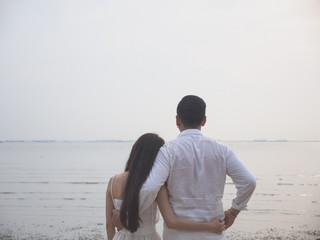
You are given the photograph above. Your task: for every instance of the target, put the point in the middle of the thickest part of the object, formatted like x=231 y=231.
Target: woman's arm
x=109 y=207
x=173 y=222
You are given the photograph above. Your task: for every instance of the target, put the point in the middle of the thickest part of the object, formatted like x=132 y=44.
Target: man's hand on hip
x=228 y=219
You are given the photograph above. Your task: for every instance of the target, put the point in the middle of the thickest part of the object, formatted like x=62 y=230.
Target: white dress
x=147 y=229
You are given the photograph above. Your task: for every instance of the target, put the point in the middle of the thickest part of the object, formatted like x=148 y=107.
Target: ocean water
x=56 y=190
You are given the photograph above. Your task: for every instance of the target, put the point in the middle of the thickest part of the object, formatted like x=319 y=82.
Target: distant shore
x=121 y=141
x=64 y=141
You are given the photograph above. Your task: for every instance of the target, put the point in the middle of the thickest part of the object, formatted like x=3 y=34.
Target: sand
x=96 y=231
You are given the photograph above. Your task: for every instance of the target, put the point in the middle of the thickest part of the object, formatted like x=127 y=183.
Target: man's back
x=196 y=179
x=195 y=169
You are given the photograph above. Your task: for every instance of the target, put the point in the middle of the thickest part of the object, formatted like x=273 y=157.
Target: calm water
x=58 y=189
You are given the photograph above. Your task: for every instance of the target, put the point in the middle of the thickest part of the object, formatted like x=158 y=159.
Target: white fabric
x=195 y=168
x=146 y=233
x=147 y=229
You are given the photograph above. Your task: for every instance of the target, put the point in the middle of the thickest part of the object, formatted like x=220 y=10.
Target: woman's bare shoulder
x=119 y=182
x=122 y=177
x=119 y=177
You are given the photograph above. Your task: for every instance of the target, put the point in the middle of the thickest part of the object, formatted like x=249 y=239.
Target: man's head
x=191 y=112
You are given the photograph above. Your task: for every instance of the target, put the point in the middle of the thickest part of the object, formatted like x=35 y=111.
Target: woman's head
x=143 y=152
x=139 y=165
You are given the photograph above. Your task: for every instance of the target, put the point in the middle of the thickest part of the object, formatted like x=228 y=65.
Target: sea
x=56 y=189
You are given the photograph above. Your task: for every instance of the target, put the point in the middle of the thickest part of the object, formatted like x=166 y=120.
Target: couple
x=185 y=178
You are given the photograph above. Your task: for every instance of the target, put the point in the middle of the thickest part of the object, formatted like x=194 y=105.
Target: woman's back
x=149 y=217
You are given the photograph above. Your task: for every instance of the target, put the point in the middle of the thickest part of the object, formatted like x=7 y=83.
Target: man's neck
x=183 y=128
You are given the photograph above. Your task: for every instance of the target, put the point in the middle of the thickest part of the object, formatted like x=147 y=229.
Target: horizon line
x=122 y=140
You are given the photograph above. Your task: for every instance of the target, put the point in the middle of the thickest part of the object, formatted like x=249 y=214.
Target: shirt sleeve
x=158 y=175
x=244 y=181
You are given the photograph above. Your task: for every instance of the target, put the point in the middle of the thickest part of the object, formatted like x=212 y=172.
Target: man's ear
x=178 y=121
x=204 y=121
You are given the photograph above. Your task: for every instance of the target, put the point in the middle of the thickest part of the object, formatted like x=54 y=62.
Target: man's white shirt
x=195 y=169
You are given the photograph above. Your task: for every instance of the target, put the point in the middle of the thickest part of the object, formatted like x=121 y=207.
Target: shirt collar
x=190 y=132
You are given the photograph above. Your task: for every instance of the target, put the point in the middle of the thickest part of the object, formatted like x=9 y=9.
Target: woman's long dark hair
x=139 y=165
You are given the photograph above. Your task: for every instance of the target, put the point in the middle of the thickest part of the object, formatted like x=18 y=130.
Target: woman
x=123 y=193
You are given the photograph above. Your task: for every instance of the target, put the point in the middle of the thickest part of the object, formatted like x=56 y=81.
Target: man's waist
x=197 y=212
x=169 y=234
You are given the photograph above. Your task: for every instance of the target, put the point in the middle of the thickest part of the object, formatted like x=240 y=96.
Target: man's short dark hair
x=191 y=110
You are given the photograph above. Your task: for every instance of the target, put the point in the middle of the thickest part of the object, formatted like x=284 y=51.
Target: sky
x=93 y=70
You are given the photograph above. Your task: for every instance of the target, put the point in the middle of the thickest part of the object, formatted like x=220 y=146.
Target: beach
x=56 y=190
x=96 y=231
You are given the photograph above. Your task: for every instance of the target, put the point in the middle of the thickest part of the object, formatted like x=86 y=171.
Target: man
x=195 y=169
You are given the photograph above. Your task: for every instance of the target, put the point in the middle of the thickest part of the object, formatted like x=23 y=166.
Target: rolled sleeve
x=242 y=178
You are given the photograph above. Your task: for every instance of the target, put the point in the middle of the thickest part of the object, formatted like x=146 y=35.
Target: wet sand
x=96 y=231
x=66 y=228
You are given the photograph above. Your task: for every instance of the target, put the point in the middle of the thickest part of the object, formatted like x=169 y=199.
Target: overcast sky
x=116 y=69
